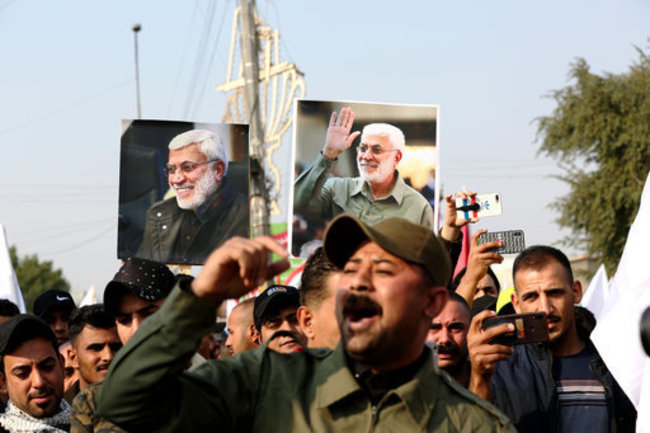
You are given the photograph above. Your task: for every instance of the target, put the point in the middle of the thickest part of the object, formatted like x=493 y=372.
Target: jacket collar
x=418 y=394
x=216 y=202
x=339 y=382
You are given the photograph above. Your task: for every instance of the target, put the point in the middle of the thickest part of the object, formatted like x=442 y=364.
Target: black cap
x=21 y=328
x=146 y=279
x=53 y=300
x=272 y=300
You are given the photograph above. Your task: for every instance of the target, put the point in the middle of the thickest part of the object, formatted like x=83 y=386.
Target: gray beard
x=205 y=186
x=382 y=172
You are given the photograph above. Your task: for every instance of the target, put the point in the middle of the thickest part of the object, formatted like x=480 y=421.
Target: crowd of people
x=377 y=337
x=347 y=350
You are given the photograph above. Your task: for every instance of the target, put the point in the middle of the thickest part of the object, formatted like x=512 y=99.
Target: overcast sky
x=67 y=80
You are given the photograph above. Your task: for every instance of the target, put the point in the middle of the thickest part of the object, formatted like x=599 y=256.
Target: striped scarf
x=17 y=421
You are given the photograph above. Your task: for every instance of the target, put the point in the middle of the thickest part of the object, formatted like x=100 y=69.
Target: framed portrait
x=386 y=170
x=183 y=189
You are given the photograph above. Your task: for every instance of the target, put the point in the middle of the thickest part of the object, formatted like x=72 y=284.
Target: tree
x=600 y=133
x=35 y=277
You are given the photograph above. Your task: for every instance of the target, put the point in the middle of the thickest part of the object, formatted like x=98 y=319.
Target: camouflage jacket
x=84 y=418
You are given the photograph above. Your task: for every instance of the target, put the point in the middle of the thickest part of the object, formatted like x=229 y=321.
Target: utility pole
x=136 y=29
x=249 y=50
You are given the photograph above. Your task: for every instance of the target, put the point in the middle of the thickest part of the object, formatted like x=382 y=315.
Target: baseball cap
x=146 y=279
x=21 y=328
x=272 y=300
x=53 y=300
x=411 y=242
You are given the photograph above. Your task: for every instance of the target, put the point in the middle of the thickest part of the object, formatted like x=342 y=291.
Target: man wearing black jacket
x=206 y=209
x=562 y=385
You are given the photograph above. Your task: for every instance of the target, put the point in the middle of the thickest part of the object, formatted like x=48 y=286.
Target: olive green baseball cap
x=411 y=242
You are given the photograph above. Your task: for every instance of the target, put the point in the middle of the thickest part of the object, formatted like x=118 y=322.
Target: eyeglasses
x=376 y=150
x=185 y=167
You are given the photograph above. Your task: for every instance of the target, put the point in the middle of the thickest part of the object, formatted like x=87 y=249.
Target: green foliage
x=600 y=133
x=35 y=277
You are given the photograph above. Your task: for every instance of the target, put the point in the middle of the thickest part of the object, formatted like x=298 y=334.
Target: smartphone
x=483 y=205
x=529 y=328
x=513 y=240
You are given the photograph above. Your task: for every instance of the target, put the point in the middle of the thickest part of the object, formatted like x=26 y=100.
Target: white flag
x=9 y=288
x=596 y=294
x=90 y=297
x=617 y=334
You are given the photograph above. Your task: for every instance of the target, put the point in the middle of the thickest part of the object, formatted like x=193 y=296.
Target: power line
x=7 y=3
x=215 y=49
x=64 y=108
x=282 y=40
x=47 y=199
x=504 y=164
x=198 y=61
x=79 y=224
x=82 y=243
x=70 y=228
x=181 y=66
x=495 y=176
x=56 y=186
x=45 y=194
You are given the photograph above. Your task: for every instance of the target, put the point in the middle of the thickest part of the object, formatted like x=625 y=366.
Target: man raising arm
x=380 y=376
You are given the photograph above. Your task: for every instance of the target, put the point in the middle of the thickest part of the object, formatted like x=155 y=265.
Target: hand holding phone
x=512 y=241
x=528 y=328
x=478 y=206
x=484 y=356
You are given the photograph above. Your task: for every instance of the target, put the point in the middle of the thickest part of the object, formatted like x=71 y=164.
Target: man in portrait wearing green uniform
x=378 y=193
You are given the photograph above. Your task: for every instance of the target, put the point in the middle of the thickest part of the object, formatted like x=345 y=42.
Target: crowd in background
x=372 y=298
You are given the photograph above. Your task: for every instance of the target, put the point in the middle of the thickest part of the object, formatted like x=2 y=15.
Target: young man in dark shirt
x=562 y=385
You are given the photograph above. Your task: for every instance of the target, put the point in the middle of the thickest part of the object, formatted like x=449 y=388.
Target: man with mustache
x=94 y=344
x=32 y=373
x=206 y=209
x=449 y=330
x=555 y=387
x=378 y=193
x=275 y=319
x=137 y=291
x=379 y=378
